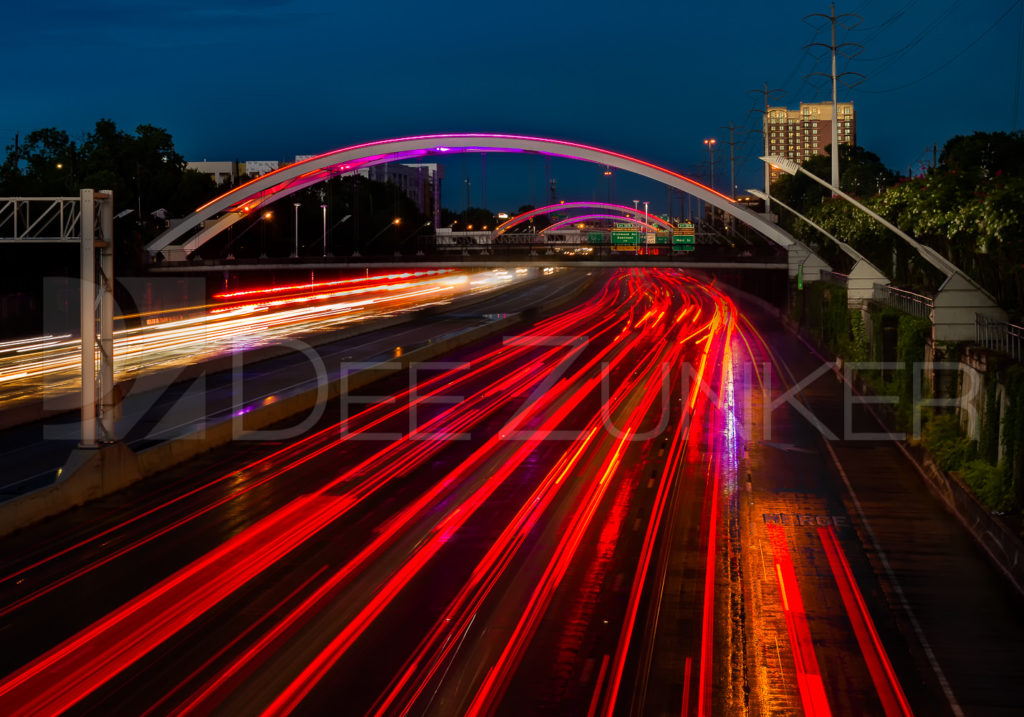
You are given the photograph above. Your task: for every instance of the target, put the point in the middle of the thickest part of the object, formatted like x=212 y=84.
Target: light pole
x=636 y=208
x=393 y=223
x=263 y=234
x=411 y=235
x=324 y=208
x=710 y=144
x=296 y=205
x=647 y=221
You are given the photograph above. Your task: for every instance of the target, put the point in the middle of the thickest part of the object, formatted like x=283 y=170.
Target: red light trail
x=585 y=422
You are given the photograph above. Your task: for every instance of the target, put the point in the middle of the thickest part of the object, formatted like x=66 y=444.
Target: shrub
x=944 y=442
x=989 y=483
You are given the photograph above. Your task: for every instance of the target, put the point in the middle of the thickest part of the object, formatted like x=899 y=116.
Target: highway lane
x=33 y=453
x=485 y=565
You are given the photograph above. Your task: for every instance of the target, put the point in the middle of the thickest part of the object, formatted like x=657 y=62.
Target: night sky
x=268 y=80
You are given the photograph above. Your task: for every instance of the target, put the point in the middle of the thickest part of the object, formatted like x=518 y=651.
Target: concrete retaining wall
x=1003 y=546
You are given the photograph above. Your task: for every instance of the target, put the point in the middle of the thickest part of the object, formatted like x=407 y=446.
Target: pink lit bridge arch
x=196 y=229
x=624 y=213
x=596 y=217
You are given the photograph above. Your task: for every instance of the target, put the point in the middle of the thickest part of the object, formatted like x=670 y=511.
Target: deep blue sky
x=267 y=79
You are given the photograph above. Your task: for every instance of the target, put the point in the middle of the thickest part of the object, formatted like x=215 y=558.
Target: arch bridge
x=185 y=238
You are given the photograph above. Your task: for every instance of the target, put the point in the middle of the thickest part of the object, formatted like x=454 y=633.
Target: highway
x=170 y=399
x=575 y=518
x=234 y=320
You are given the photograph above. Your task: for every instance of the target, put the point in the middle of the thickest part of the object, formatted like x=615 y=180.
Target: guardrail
x=906 y=301
x=1001 y=336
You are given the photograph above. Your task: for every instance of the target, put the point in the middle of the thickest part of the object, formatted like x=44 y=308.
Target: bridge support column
x=957 y=304
x=860 y=284
x=812 y=265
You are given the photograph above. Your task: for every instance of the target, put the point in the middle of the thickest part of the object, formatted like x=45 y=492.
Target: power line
x=894 y=57
x=876 y=30
x=948 y=62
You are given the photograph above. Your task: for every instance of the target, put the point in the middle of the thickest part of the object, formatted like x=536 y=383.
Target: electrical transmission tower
x=835 y=49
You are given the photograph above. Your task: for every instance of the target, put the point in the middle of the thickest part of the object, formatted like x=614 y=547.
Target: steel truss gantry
x=39 y=219
x=87 y=220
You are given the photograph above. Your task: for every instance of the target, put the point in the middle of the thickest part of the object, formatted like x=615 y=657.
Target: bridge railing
x=906 y=301
x=834 y=277
x=1001 y=336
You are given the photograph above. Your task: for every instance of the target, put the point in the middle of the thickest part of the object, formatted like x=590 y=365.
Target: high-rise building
x=802 y=133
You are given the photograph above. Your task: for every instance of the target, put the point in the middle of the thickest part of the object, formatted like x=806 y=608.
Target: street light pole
x=297 y=205
x=636 y=208
x=710 y=143
x=324 y=208
x=263 y=234
x=647 y=221
x=393 y=223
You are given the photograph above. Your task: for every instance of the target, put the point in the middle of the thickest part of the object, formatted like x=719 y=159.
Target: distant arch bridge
x=626 y=214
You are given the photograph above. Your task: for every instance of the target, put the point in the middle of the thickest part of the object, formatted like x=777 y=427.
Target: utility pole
x=767 y=94
x=834 y=20
x=732 y=158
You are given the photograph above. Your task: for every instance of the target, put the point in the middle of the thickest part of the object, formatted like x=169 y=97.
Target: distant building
x=220 y=171
x=416 y=181
x=259 y=167
x=802 y=133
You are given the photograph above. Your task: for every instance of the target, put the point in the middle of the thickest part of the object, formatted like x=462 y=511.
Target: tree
x=44 y=165
x=862 y=174
x=984 y=154
x=477 y=218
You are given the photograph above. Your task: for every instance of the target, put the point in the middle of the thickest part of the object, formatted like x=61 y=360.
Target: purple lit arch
x=594 y=217
x=573 y=206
